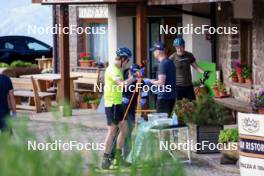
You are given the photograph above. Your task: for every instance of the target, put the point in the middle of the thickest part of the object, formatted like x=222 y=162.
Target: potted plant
x=229 y=139
x=216 y=89
x=205 y=119
x=239 y=70
x=258 y=102
x=85 y=103
x=222 y=89
x=233 y=76
x=85 y=60
x=247 y=74
x=200 y=90
x=94 y=103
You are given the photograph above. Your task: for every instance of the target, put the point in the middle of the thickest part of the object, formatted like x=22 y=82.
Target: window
x=36 y=46
x=96 y=41
x=246 y=42
x=9 y=45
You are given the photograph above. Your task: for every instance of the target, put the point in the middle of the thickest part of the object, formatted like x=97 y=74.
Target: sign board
x=251 y=134
x=93 y=11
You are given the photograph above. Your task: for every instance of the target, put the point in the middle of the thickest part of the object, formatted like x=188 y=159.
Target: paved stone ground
x=91 y=128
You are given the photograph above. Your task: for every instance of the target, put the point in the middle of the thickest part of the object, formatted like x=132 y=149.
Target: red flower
x=239 y=70
x=82 y=55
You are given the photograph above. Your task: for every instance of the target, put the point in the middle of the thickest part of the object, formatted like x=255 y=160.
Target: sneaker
x=106 y=163
x=119 y=163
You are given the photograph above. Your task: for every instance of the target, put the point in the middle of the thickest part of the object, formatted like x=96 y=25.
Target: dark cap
x=158 y=46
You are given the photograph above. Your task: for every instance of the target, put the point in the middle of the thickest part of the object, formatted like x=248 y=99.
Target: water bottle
x=174 y=119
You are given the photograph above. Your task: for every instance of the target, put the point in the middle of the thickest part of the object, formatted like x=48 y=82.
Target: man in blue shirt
x=6 y=98
x=166 y=80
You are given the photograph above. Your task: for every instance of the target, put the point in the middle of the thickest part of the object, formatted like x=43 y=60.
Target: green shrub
x=229 y=135
x=20 y=63
x=203 y=111
x=16 y=159
x=3 y=65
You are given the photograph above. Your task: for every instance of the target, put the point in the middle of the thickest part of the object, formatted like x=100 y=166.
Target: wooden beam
x=65 y=55
x=86 y=1
x=141 y=33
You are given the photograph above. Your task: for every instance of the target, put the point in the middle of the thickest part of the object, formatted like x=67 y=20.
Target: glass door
x=153 y=36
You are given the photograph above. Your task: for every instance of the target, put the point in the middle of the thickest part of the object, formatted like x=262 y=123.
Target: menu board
x=251 y=134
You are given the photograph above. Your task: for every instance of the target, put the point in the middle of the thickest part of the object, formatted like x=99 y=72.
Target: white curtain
x=97 y=43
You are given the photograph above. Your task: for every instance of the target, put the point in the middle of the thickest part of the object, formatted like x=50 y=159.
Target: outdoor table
x=174 y=129
x=42 y=78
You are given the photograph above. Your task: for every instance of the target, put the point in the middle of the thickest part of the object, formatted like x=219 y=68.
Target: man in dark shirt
x=183 y=61
x=7 y=100
x=166 y=80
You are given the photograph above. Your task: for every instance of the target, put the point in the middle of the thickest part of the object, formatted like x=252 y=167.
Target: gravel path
x=97 y=135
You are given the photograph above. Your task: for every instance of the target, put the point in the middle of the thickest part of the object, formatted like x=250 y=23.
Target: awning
x=84 y=1
x=173 y=2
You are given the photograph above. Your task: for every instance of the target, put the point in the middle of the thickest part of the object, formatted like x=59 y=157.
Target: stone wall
x=73 y=20
x=229 y=49
x=258 y=44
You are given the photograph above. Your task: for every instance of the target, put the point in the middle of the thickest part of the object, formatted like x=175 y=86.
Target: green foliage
x=208 y=112
x=184 y=109
x=95 y=101
x=20 y=63
x=229 y=135
x=88 y=99
x=233 y=74
x=16 y=159
x=247 y=72
x=3 y=65
x=196 y=83
x=203 y=111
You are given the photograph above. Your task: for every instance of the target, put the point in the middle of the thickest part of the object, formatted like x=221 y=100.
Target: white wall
x=125 y=32
x=197 y=43
x=201 y=47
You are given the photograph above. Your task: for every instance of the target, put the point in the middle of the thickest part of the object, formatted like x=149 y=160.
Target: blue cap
x=178 y=42
x=158 y=46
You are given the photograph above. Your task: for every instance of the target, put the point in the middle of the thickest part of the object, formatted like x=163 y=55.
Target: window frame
x=85 y=23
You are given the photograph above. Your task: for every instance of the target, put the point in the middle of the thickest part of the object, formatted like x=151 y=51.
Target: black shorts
x=165 y=106
x=114 y=114
x=185 y=92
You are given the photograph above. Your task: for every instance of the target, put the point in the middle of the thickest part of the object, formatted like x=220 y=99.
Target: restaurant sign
x=93 y=11
x=251 y=133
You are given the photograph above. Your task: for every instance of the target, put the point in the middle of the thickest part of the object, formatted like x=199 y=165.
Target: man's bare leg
x=112 y=129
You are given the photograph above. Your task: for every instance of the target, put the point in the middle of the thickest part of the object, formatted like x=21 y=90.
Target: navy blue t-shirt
x=167 y=67
x=5 y=87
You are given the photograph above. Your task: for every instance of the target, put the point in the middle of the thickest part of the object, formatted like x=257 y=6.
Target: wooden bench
x=24 y=87
x=88 y=83
x=235 y=105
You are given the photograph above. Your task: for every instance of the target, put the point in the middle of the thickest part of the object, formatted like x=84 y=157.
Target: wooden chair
x=88 y=83
x=24 y=87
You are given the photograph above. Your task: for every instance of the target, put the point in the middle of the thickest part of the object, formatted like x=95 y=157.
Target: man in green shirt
x=183 y=61
x=113 y=90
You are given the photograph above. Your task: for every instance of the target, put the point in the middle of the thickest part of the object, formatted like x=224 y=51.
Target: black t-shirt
x=167 y=67
x=5 y=87
x=183 y=68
